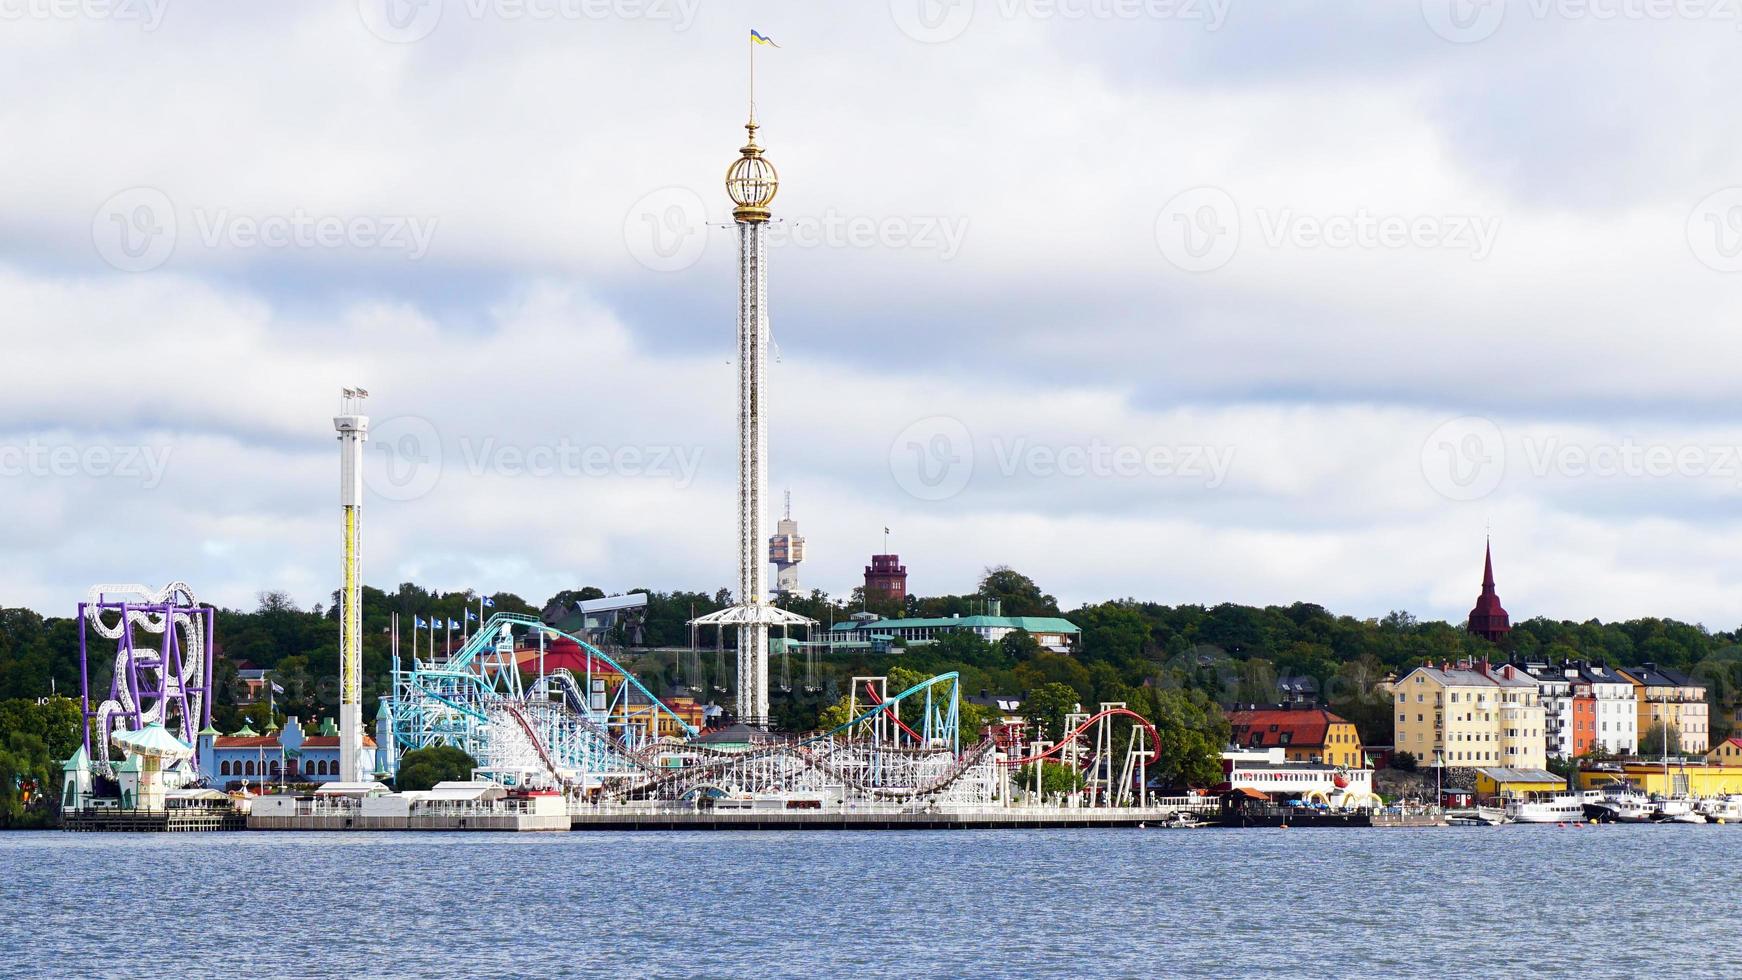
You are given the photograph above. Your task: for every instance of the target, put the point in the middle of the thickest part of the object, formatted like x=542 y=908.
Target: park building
x=290 y=755
x=1270 y=773
x=1471 y=715
x=1054 y=634
x=1304 y=733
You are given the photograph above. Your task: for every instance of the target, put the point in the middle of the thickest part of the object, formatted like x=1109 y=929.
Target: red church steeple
x=1489 y=620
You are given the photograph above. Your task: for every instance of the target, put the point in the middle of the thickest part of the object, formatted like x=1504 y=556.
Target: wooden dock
x=152 y=821
x=991 y=818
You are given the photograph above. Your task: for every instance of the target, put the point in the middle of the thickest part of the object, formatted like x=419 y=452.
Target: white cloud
x=1055 y=332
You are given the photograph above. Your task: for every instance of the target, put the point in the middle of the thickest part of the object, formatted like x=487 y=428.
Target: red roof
x=331 y=742
x=562 y=653
x=246 y=741
x=1265 y=727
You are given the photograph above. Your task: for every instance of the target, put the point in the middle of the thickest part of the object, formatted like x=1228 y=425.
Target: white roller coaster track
x=191 y=628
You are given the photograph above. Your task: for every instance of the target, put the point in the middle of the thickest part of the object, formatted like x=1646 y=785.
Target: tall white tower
x=353 y=427
x=751 y=182
x=785 y=551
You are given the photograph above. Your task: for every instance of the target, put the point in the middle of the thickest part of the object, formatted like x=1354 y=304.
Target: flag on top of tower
x=757 y=37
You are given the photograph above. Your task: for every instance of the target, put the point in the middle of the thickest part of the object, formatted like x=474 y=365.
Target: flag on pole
x=417 y=622
x=453 y=625
x=757 y=37
x=471 y=616
x=486 y=601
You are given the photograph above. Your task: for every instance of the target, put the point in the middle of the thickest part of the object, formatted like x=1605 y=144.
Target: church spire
x=1489 y=619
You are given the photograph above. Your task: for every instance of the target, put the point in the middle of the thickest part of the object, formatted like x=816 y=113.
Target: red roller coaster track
x=872 y=696
x=1154 y=738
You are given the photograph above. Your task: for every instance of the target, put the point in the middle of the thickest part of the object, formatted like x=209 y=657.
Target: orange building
x=1584 y=723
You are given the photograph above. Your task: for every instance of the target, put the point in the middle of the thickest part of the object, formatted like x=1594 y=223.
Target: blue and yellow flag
x=757 y=37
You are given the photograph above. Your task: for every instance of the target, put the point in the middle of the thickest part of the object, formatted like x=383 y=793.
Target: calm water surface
x=1516 y=901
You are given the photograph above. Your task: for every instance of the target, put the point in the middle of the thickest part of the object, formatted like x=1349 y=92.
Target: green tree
x=1046 y=706
x=423 y=768
x=1016 y=593
x=1654 y=743
x=1056 y=778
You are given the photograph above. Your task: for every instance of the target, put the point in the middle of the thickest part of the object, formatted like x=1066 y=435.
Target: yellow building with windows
x=1670 y=696
x=1678 y=780
x=1305 y=734
x=1726 y=753
x=1471 y=715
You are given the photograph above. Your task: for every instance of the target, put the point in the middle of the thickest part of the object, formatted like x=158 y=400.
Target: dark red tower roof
x=1489 y=620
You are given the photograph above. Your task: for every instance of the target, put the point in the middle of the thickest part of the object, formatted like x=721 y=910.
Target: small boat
x=1722 y=809
x=1620 y=803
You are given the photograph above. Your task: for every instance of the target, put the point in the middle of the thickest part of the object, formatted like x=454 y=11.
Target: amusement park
x=577 y=739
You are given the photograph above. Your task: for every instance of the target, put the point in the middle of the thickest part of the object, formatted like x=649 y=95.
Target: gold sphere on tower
x=751 y=182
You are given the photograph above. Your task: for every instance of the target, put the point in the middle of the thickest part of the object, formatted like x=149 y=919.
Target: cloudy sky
x=1187 y=300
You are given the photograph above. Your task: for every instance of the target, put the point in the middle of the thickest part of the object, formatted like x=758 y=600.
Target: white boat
x=1622 y=804
x=1725 y=808
x=1565 y=808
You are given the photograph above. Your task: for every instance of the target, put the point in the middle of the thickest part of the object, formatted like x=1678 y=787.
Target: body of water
x=1616 y=901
